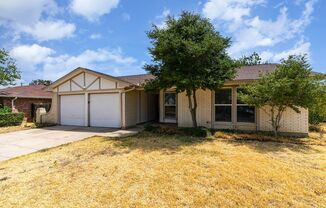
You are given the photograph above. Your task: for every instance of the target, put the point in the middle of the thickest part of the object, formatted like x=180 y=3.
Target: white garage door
x=72 y=110
x=105 y=110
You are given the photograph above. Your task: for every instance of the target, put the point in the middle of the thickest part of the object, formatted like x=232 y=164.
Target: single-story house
x=88 y=98
x=26 y=99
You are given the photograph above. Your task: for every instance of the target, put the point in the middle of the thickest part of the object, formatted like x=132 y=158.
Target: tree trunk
x=276 y=118
x=192 y=106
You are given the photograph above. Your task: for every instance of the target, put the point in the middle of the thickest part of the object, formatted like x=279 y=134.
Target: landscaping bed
x=314 y=138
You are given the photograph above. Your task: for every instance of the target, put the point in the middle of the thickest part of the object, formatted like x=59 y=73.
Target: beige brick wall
x=204 y=109
x=292 y=121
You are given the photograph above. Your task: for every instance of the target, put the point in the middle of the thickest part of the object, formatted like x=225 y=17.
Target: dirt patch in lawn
x=151 y=170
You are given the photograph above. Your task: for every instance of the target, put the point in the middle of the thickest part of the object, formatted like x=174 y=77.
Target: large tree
x=189 y=54
x=291 y=85
x=8 y=69
x=40 y=82
x=317 y=112
x=251 y=60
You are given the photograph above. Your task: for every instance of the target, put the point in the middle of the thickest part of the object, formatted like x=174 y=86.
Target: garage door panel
x=72 y=110
x=105 y=110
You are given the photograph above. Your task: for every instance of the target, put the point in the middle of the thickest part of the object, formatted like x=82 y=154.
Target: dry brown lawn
x=150 y=170
x=24 y=126
x=8 y=129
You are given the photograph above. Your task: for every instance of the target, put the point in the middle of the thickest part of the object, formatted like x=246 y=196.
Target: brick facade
x=25 y=105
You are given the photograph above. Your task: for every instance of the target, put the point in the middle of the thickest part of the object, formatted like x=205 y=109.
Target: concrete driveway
x=27 y=141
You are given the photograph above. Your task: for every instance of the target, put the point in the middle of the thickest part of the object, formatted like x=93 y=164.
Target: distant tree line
x=41 y=82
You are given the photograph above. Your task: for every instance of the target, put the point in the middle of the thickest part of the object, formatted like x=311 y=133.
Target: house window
x=245 y=113
x=170 y=105
x=223 y=105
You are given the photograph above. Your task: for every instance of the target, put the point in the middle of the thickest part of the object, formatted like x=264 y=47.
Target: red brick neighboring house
x=25 y=99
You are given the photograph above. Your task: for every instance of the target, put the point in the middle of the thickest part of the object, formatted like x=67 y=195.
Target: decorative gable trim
x=78 y=71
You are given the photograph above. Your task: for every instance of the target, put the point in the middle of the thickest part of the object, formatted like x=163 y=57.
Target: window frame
x=224 y=105
x=170 y=120
x=243 y=104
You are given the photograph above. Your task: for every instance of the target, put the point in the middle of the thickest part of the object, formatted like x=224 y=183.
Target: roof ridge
x=134 y=75
x=12 y=87
x=265 y=64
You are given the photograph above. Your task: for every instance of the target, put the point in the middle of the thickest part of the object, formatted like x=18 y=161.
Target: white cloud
x=31 y=16
x=160 y=19
x=28 y=58
x=266 y=56
x=229 y=10
x=95 y=36
x=99 y=59
x=25 y=12
x=93 y=9
x=49 y=30
x=37 y=61
x=31 y=54
x=300 y=48
x=250 y=32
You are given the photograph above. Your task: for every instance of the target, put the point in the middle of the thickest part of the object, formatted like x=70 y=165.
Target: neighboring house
x=26 y=99
x=88 y=98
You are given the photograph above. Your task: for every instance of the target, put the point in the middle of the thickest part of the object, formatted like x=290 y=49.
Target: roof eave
x=25 y=97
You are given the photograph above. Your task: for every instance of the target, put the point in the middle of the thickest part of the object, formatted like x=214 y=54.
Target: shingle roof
x=253 y=72
x=243 y=73
x=139 y=79
x=30 y=91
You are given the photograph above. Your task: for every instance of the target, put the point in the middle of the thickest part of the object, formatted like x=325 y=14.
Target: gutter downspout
x=13 y=103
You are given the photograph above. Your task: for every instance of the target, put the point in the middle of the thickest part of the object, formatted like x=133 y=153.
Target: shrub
x=11 y=119
x=316 y=116
x=196 y=132
x=5 y=109
x=149 y=127
x=167 y=130
x=173 y=130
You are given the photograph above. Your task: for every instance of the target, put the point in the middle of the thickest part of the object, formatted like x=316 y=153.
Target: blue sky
x=50 y=38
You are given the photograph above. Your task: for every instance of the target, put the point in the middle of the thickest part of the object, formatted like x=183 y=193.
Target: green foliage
x=253 y=59
x=41 y=82
x=149 y=127
x=291 y=85
x=11 y=119
x=8 y=70
x=317 y=112
x=317 y=116
x=189 y=54
x=170 y=130
x=5 y=109
x=196 y=132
